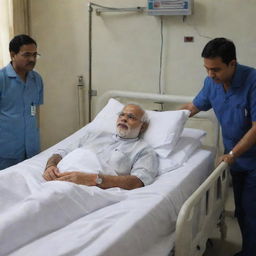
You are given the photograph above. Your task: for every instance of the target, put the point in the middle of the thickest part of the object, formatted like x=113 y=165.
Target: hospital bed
x=173 y=216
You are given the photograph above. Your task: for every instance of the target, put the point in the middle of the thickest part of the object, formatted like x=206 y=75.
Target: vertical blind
x=6 y=28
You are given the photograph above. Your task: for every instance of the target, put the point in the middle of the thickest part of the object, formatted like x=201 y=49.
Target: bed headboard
x=175 y=100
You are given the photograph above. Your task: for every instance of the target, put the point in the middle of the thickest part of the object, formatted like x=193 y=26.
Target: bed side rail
x=200 y=214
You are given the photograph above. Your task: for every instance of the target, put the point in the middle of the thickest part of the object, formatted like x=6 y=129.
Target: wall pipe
x=100 y=9
x=90 y=9
x=81 y=101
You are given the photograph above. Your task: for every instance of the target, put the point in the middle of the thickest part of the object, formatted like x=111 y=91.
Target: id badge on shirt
x=33 y=110
x=245 y=112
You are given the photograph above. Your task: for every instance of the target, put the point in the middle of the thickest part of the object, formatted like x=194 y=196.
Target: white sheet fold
x=80 y=159
x=55 y=205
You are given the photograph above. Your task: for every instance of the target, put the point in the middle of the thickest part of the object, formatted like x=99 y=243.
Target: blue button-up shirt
x=235 y=110
x=19 y=135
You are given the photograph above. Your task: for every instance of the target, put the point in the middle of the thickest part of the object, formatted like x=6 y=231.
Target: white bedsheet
x=53 y=206
x=138 y=222
x=74 y=222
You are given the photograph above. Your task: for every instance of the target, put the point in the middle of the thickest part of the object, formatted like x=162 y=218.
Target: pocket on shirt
x=243 y=117
x=120 y=162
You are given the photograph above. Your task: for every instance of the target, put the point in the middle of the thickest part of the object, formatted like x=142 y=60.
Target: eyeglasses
x=129 y=116
x=28 y=55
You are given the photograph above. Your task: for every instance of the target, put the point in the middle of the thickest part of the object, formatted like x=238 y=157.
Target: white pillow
x=189 y=141
x=105 y=120
x=163 y=131
x=193 y=133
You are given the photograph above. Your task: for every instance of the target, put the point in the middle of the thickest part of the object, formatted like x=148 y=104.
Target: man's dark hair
x=220 y=47
x=18 y=41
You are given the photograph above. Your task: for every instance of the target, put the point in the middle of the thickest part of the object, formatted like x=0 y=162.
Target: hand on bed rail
x=228 y=158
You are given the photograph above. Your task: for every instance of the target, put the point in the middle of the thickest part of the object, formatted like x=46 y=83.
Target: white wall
x=126 y=49
x=60 y=28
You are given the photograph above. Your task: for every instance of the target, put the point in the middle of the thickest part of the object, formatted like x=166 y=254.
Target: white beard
x=128 y=133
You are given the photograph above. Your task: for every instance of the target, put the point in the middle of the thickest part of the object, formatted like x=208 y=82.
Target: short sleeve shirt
x=119 y=156
x=19 y=135
x=235 y=110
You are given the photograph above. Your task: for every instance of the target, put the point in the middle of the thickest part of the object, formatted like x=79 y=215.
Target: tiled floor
x=232 y=243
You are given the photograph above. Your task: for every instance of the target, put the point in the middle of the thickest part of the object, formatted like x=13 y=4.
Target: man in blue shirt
x=21 y=92
x=230 y=89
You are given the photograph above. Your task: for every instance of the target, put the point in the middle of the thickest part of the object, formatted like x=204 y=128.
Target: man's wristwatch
x=99 y=180
x=231 y=153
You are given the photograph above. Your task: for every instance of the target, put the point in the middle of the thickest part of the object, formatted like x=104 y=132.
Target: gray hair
x=144 y=118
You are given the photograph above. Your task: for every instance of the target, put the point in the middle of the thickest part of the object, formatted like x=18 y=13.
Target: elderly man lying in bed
x=105 y=160
x=39 y=208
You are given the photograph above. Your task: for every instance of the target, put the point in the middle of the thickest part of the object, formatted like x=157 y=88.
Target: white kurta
x=109 y=154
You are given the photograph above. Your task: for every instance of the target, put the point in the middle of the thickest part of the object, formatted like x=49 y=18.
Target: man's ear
x=143 y=128
x=232 y=63
x=12 y=54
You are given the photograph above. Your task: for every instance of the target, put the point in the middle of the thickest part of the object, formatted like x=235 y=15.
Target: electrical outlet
x=188 y=39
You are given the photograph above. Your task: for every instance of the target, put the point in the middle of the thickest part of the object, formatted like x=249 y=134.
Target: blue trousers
x=244 y=186
x=7 y=162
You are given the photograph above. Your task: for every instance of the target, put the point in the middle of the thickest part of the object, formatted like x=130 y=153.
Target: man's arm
x=247 y=141
x=126 y=182
x=108 y=181
x=51 y=171
x=191 y=107
x=143 y=172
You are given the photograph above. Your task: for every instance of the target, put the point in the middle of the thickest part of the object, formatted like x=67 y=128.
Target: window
x=6 y=28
